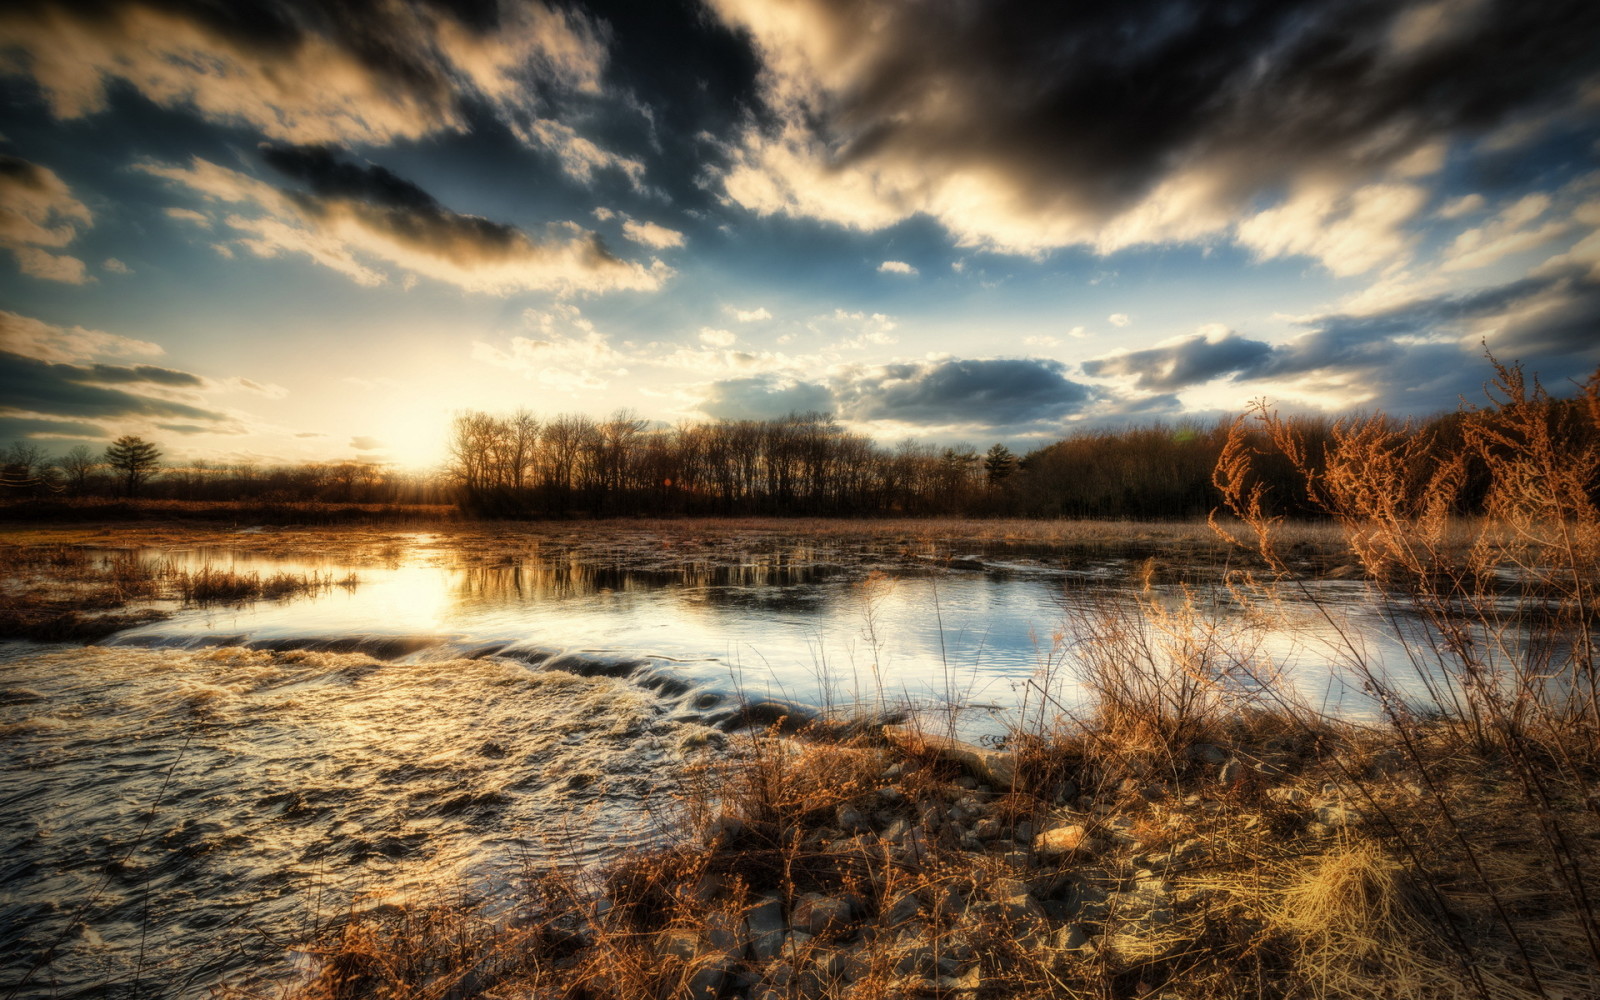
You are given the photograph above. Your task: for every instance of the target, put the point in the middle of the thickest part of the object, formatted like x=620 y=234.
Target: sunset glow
x=275 y=233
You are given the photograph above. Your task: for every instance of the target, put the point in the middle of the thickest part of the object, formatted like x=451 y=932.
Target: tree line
x=520 y=465
x=806 y=464
x=132 y=467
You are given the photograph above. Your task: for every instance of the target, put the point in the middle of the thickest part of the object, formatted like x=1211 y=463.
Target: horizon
x=929 y=226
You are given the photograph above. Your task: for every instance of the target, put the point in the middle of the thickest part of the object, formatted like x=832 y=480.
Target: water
x=185 y=802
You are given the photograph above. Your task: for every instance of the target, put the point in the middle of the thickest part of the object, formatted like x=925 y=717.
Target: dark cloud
x=765 y=397
x=18 y=428
x=320 y=168
x=71 y=391
x=392 y=205
x=990 y=393
x=197 y=429
x=385 y=69
x=1416 y=356
x=144 y=373
x=1193 y=360
x=1073 y=114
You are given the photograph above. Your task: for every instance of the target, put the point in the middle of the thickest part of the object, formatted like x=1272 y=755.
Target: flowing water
x=185 y=802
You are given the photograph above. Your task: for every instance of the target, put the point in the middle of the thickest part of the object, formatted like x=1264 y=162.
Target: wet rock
x=996 y=767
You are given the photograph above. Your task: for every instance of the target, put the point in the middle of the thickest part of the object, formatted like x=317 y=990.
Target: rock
x=1336 y=816
x=797 y=947
x=816 y=914
x=850 y=819
x=897 y=830
x=905 y=907
x=1230 y=772
x=890 y=795
x=723 y=829
x=1064 y=840
x=996 y=767
x=765 y=928
x=987 y=829
x=1287 y=796
x=706 y=980
x=1205 y=753
x=1072 y=938
x=678 y=942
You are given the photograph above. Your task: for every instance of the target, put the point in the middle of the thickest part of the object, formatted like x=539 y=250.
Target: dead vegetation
x=56 y=592
x=1200 y=832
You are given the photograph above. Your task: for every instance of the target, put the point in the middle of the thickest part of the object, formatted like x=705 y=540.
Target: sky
x=294 y=230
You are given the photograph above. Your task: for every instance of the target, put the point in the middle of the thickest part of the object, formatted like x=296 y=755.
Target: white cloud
x=716 y=338
x=748 y=315
x=564 y=351
x=116 y=266
x=579 y=157
x=1467 y=204
x=652 y=235
x=896 y=267
x=38 y=217
x=1511 y=231
x=1350 y=232
x=1119 y=319
x=34 y=338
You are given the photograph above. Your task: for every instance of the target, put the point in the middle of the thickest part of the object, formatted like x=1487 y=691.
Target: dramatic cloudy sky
x=295 y=229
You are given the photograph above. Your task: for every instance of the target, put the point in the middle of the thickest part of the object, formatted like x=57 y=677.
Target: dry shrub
x=1505 y=651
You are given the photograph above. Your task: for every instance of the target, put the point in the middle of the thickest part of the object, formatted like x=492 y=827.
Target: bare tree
x=79 y=464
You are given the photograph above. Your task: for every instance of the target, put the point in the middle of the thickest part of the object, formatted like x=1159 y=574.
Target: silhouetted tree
x=134 y=460
x=79 y=464
x=998 y=464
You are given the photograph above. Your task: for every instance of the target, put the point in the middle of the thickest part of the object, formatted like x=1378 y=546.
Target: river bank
x=1274 y=862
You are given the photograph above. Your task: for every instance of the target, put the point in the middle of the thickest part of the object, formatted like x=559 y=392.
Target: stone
x=765 y=927
x=1072 y=938
x=987 y=829
x=850 y=819
x=905 y=907
x=1337 y=816
x=678 y=942
x=897 y=830
x=816 y=914
x=1287 y=796
x=1206 y=753
x=995 y=767
x=1230 y=772
x=1064 y=840
x=723 y=829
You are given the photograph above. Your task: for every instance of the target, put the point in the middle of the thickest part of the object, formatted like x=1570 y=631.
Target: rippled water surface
x=187 y=801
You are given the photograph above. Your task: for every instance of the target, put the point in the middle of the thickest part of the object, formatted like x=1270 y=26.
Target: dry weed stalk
x=1507 y=603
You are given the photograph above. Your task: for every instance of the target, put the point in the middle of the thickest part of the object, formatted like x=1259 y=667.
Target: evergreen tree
x=134 y=460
